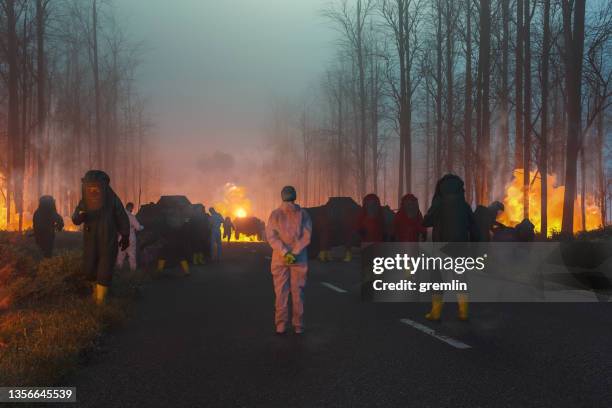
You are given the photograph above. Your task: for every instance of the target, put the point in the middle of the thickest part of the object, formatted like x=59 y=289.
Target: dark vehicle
x=250 y=226
x=167 y=230
x=334 y=223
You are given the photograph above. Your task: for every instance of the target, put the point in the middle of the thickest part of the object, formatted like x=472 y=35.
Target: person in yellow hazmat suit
x=288 y=232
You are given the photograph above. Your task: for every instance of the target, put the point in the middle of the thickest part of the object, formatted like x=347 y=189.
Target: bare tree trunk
x=505 y=93
x=15 y=168
x=363 y=134
x=518 y=86
x=306 y=163
x=408 y=140
x=439 y=92
x=527 y=112
x=478 y=180
x=467 y=120
x=583 y=187
x=556 y=139
x=41 y=96
x=544 y=123
x=450 y=143
x=484 y=125
x=96 y=74
x=400 y=190
x=404 y=119
x=374 y=95
x=340 y=155
x=601 y=175
x=573 y=31
x=428 y=137
x=21 y=151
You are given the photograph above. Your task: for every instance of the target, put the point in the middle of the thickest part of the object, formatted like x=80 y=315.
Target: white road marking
x=449 y=340
x=333 y=287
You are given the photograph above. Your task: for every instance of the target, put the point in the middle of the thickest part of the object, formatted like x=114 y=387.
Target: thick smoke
x=215 y=162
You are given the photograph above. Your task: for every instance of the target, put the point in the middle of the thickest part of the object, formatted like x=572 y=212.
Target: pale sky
x=212 y=68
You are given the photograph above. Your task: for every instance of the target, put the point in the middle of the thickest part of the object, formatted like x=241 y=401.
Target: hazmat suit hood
x=96 y=193
x=46 y=204
x=449 y=214
x=409 y=206
x=371 y=199
x=371 y=206
x=288 y=194
x=450 y=184
x=96 y=175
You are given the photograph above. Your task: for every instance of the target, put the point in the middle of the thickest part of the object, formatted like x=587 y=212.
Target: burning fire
x=235 y=204
x=14 y=223
x=513 y=203
x=27 y=222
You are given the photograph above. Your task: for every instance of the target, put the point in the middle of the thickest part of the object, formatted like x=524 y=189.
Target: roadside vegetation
x=48 y=322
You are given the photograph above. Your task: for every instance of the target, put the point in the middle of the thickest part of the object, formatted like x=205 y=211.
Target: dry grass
x=48 y=321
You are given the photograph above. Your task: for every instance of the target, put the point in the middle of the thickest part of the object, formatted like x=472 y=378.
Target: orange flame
x=235 y=204
x=513 y=203
x=26 y=222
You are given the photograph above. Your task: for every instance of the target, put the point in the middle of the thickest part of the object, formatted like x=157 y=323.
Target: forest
x=514 y=96
x=481 y=88
x=69 y=102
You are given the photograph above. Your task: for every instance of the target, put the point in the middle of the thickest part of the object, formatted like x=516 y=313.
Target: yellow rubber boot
x=462 y=303
x=436 y=308
x=185 y=267
x=161 y=264
x=201 y=258
x=348 y=256
x=100 y=294
x=195 y=259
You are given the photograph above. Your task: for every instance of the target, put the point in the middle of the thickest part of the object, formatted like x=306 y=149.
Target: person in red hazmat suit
x=408 y=221
x=371 y=220
x=130 y=251
x=288 y=232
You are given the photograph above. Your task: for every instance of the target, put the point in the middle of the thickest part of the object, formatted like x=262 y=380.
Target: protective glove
x=289 y=258
x=124 y=243
x=79 y=218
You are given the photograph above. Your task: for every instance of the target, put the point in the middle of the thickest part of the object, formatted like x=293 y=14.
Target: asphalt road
x=208 y=341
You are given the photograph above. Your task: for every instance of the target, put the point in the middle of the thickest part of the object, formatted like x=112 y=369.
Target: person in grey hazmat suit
x=216 y=220
x=288 y=232
x=103 y=216
x=130 y=252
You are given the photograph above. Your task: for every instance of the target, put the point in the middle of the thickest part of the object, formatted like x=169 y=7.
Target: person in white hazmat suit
x=130 y=251
x=288 y=232
x=216 y=220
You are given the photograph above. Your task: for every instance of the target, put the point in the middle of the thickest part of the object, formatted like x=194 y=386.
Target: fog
x=210 y=70
x=337 y=97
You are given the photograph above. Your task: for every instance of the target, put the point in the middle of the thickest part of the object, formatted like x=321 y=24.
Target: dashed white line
x=333 y=287
x=449 y=340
